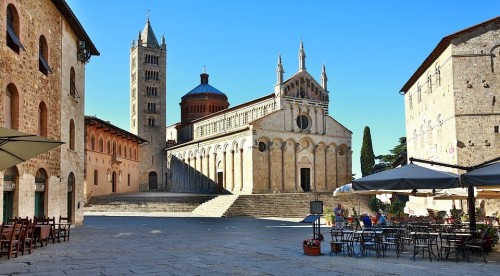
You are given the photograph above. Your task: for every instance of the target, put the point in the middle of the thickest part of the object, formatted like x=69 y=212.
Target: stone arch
x=342 y=164
x=276 y=165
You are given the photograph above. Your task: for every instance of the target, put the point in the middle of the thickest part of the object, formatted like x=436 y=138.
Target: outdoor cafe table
x=42 y=233
x=356 y=236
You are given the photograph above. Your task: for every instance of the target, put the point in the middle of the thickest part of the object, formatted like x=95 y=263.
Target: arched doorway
x=113 y=182
x=40 y=192
x=10 y=180
x=153 y=181
x=305 y=179
x=70 y=196
x=220 y=177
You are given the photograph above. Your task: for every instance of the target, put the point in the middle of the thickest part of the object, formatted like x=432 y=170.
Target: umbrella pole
x=471 y=203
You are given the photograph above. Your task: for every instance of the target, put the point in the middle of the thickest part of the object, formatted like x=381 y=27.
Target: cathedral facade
x=280 y=143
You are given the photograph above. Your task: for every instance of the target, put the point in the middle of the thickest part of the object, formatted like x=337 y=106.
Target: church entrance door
x=113 y=182
x=153 y=181
x=305 y=179
x=220 y=181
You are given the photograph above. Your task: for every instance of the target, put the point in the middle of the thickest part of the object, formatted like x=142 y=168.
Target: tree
x=367 y=156
x=385 y=161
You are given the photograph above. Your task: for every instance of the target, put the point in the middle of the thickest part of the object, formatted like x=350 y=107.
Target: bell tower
x=148 y=79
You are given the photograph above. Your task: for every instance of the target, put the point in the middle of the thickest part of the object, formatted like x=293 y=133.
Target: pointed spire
x=148 y=36
x=302 y=57
x=279 y=71
x=324 y=78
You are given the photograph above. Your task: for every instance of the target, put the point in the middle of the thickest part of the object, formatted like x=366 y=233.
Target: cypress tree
x=367 y=156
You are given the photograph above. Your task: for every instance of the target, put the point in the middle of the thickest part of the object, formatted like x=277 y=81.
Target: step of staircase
x=215 y=207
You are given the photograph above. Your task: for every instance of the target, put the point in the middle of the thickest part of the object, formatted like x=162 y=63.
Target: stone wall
x=20 y=74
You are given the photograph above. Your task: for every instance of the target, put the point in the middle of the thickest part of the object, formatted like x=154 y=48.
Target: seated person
x=367 y=221
x=381 y=220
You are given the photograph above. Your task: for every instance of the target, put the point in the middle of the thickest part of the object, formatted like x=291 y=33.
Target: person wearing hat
x=367 y=221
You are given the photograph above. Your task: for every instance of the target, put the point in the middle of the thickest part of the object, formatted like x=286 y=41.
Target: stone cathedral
x=282 y=142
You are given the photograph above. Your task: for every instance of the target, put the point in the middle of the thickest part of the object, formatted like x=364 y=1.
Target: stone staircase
x=216 y=207
x=286 y=205
x=146 y=202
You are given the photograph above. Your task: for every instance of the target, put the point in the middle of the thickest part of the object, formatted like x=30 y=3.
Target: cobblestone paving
x=135 y=245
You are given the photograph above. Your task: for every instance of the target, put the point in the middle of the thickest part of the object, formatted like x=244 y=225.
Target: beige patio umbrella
x=17 y=147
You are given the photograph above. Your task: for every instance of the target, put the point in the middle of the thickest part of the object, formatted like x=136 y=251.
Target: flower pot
x=312 y=250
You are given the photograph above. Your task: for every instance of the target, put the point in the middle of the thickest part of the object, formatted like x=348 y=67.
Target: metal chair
x=478 y=244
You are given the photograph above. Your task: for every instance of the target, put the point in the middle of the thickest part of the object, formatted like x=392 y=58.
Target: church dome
x=201 y=101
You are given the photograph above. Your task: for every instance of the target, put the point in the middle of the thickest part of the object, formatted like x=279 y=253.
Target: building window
x=96 y=177
x=262 y=146
x=151 y=122
x=13 y=41
x=108 y=147
x=419 y=93
x=43 y=56
x=114 y=148
x=42 y=119
x=302 y=122
x=128 y=179
x=11 y=107
x=101 y=147
x=72 y=83
x=496 y=129
x=92 y=142
x=71 y=135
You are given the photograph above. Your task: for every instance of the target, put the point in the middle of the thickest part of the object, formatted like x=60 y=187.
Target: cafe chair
x=478 y=243
x=28 y=237
x=392 y=239
x=52 y=236
x=63 y=229
x=370 y=241
x=10 y=242
x=451 y=243
x=422 y=242
x=337 y=244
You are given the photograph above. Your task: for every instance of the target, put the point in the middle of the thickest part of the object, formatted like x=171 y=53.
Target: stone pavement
x=169 y=245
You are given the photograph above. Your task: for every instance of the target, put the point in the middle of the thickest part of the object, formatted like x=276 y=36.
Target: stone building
x=282 y=142
x=148 y=105
x=111 y=159
x=452 y=113
x=42 y=74
x=451 y=101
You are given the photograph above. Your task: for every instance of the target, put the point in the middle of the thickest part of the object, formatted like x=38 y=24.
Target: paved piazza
x=128 y=245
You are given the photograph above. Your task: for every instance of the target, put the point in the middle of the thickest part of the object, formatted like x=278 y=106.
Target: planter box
x=312 y=250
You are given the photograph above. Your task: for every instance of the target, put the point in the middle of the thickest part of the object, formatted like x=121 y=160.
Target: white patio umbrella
x=17 y=147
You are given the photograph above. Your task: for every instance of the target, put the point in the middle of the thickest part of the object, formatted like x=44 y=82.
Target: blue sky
x=370 y=49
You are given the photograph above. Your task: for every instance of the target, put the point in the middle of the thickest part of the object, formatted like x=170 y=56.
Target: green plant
x=376 y=205
x=397 y=208
x=441 y=215
x=492 y=233
x=354 y=213
x=456 y=213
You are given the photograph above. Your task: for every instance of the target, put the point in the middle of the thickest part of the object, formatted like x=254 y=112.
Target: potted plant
x=328 y=216
x=311 y=247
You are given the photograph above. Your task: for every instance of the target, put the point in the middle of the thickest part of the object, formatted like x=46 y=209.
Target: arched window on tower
x=13 y=38
x=72 y=83
x=43 y=56
x=42 y=119
x=11 y=107
x=71 y=135
x=92 y=142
